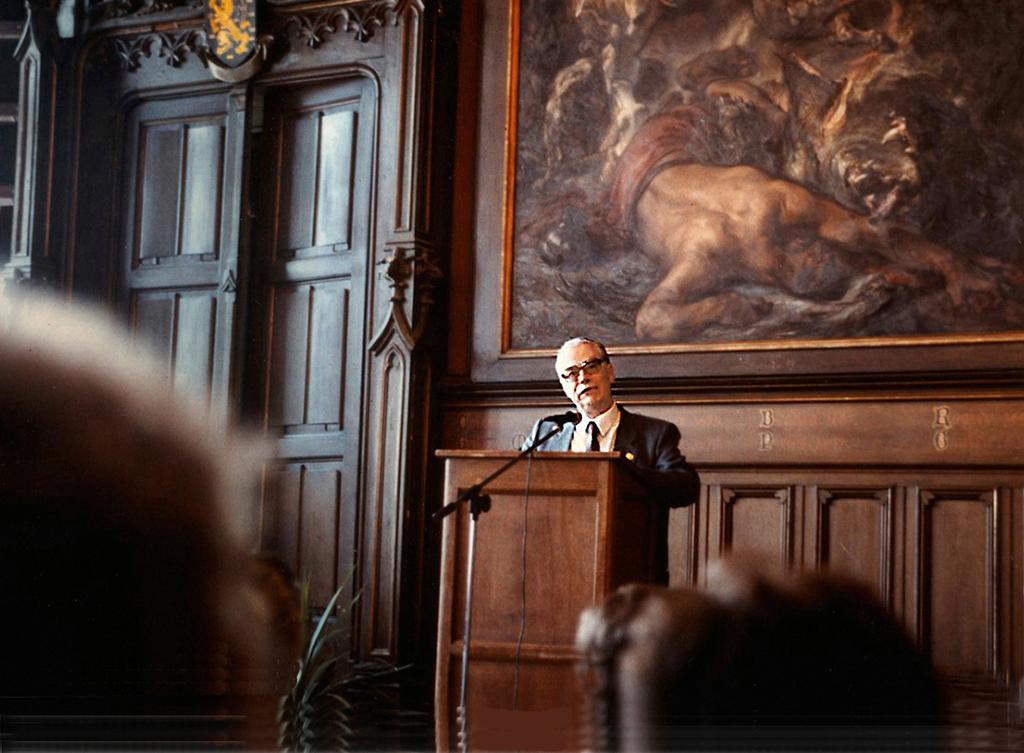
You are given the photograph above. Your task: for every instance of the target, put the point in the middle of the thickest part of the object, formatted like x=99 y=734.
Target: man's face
x=590 y=390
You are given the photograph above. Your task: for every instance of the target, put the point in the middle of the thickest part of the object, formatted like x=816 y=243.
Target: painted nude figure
x=726 y=237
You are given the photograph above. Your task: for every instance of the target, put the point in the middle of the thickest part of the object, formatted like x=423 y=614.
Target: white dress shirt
x=607 y=425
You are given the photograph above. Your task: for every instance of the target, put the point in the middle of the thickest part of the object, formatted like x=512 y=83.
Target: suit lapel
x=625 y=436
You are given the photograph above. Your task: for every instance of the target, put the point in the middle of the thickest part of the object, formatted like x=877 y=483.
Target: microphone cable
x=522 y=590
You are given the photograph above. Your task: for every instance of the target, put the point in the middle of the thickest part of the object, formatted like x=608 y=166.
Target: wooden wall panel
x=959 y=608
x=380 y=547
x=757 y=521
x=854 y=529
x=941 y=543
x=683 y=542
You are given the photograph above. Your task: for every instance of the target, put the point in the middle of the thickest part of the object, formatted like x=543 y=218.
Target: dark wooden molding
x=1007 y=383
x=313 y=27
x=115 y=14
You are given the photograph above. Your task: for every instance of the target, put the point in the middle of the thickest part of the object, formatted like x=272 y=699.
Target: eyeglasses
x=587 y=367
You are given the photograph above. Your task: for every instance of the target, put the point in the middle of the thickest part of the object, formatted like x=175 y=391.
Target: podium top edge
x=490 y=454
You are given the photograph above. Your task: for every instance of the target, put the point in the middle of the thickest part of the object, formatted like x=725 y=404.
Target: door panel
x=309 y=300
x=170 y=259
x=182 y=326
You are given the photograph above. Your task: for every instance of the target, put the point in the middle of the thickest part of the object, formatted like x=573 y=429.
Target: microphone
x=569 y=417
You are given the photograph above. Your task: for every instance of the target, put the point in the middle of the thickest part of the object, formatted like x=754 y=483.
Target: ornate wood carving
x=360 y=20
x=403 y=265
x=129 y=52
x=173 y=48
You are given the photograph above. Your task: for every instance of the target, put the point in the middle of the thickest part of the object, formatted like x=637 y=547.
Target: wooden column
x=39 y=184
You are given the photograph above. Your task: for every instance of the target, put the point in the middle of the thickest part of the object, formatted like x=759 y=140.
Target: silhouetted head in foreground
x=797 y=662
x=122 y=573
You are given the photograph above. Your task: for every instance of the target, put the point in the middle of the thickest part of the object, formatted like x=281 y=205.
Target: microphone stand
x=478 y=503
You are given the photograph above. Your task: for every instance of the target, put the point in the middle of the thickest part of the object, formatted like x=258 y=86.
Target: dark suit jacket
x=654 y=445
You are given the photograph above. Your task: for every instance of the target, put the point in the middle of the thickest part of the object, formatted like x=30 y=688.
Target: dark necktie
x=595 y=443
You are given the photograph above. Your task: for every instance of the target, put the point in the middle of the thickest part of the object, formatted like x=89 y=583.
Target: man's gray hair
x=574 y=341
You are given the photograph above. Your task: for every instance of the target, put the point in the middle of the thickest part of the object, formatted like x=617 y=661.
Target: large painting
x=742 y=171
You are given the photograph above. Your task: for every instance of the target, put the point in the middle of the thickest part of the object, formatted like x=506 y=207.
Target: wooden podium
x=584 y=529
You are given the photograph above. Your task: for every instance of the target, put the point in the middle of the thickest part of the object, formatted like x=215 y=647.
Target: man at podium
x=586 y=374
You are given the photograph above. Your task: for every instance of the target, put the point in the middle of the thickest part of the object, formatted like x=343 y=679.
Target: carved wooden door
x=308 y=313
x=178 y=251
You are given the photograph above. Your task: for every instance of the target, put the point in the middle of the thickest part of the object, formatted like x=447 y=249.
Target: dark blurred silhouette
x=279 y=600
x=755 y=661
x=129 y=612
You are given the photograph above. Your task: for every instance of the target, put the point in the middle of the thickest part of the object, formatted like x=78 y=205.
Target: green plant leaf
x=318 y=673
x=335 y=704
x=328 y=610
